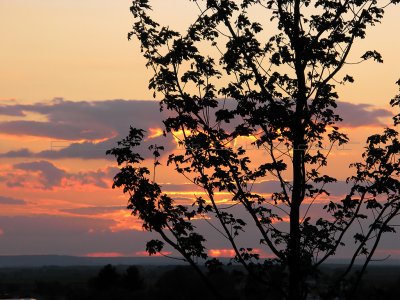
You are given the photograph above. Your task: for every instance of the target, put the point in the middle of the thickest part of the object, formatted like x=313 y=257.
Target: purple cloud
x=68 y=120
x=56 y=130
x=11 y=201
x=96 y=178
x=356 y=115
x=11 y=110
x=51 y=176
x=109 y=121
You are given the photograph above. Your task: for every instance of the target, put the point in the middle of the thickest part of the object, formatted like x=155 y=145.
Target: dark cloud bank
x=102 y=123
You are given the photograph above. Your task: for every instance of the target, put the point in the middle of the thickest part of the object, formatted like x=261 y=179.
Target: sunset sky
x=70 y=86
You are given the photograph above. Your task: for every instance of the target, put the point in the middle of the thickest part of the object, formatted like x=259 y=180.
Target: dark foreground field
x=162 y=282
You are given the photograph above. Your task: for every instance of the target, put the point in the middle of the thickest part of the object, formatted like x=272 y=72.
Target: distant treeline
x=169 y=283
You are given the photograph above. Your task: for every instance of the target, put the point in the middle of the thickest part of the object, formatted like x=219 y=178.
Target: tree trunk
x=294 y=263
x=295 y=257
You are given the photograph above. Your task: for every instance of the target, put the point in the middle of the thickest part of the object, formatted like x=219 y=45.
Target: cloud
x=11 y=201
x=89 y=120
x=99 y=178
x=11 y=110
x=24 y=152
x=104 y=254
x=45 y=234
x=86 y=129
x=49 y=175
x=56 y=130
x=93 y=210
x=221 y=253
x=357 y=115
x=338 y=188
x=78 y=235
x=92 y=150
x=230 y=253
x=146 y=254
x=45 y=175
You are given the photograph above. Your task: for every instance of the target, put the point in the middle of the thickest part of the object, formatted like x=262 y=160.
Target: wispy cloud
x=93 y=210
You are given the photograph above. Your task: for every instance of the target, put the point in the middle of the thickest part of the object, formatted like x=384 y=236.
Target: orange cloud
x=104 y=254
x=145 y=253
x=221 y=253
x=154 y=133
x=230 y=253
x=122 y=218
x=285 y=219
x=124 y=221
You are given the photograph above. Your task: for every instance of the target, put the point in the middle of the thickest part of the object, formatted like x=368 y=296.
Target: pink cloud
x=104 y=254
x=383 y=253
x=221 y=253
x=230 y=253
x=145 y=253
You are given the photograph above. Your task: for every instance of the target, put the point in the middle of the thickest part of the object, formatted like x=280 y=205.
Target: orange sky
x=78 y=51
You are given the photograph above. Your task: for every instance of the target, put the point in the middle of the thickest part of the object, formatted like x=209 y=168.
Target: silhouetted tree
x=223 y=80
x=132 y=280
x=109 y=284
x=180 y=283
x=107 y=278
